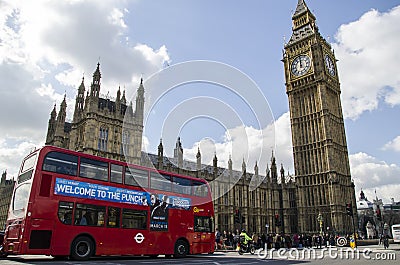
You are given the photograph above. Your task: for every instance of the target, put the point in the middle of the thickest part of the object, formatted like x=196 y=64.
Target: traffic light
x=378 y=213
x=349 y=209
x=243 y=220
x=277 y=220
x=237 y=216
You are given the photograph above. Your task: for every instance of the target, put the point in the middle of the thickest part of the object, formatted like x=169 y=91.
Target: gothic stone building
x=6 y=190
x=100 y=126
x=271 y=202
x=320 y=153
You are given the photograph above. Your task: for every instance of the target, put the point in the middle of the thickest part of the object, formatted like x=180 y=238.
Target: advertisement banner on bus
x=85 y=190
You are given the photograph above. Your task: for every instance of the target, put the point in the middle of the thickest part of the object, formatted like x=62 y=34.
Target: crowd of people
x=229 y=240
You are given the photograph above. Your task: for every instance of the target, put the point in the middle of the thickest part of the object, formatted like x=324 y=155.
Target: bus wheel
x=181 y=249
x=82 y=248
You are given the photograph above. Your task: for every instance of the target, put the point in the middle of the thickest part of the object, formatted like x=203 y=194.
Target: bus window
x=65 y=212
x=160 y=181
x=181 y=185
x=61 y=163
x=21 y=197
x=116 y=173
x=93 y=169
x=203 y=224
x=200 y=189
x=136 y=219
x=91 y=215
x=25 y=176
x=136 y=177
x=113 y=217
x=29 y=163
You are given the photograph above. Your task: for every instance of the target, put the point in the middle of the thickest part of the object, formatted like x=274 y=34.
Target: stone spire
x=118 y=101
x=274 y=170
x=79 y=101
x=95 y=87
x=215 y=164
x=198 y=159
x=301 y=8
x=178 y=152
x=282 y=175
x=60 y=124
x=160 y=155
x=244 y=168
x=140 y=103
x=52 y=126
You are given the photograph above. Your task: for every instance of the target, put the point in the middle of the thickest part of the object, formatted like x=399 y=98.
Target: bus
x=396 y=233
x=71 y=204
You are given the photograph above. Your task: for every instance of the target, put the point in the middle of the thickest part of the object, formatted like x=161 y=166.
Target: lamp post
x=320 y=221
x=266 y=227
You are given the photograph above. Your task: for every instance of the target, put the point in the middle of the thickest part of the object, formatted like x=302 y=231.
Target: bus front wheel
x=181 y=249
x=82 y=248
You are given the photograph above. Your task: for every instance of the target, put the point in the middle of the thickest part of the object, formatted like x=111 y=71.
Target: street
x=370 y=255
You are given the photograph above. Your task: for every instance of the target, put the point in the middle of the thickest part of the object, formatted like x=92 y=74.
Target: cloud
x=11 y=156
x=46 y=46
x=369 y=60
x=260 y=143
x=369 y=174
x=393 y=145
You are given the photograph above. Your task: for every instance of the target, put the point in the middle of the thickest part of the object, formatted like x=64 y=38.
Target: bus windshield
x=21 y=197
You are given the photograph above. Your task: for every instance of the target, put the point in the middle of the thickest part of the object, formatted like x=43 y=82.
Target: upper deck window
x=29 y=163
x=61 y=163
x=182 y=185
x=136 y=177
x=93 y=169
x=200 y=189
x=160 y=181
x=116 y=173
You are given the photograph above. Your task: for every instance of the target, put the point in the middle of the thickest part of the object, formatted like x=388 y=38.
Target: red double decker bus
x=67 y=203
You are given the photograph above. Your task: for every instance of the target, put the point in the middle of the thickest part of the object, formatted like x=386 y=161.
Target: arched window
x=125 y=143
x=103 y=137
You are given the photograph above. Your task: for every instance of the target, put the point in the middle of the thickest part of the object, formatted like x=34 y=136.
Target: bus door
x=203 y=239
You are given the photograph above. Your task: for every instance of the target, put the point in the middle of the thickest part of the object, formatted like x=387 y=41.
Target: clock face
x=330 y=66
x=301 y=65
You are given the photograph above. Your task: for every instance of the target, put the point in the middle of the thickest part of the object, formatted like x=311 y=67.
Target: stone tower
x=318 y=135
x=100 y=126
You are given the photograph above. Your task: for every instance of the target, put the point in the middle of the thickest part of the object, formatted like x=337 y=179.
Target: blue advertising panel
x=85 y=190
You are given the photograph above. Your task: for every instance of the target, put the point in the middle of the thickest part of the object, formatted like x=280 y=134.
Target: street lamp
x=320 y=221
x=266 y=227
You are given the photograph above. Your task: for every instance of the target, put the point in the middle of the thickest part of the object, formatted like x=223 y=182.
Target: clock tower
x=320 y=153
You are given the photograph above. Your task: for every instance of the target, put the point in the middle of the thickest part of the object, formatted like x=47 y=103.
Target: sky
x=212 y=73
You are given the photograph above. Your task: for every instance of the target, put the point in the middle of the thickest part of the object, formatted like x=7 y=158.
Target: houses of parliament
x=322 y=184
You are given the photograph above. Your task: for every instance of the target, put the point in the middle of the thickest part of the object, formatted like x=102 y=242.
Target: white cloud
x=369 y=60
x=46 y=46
x=393 y=145
x=11 y=155
x=258 y=148
x=369 y=174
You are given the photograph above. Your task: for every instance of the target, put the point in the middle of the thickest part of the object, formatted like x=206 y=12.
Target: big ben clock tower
x=320 y=153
